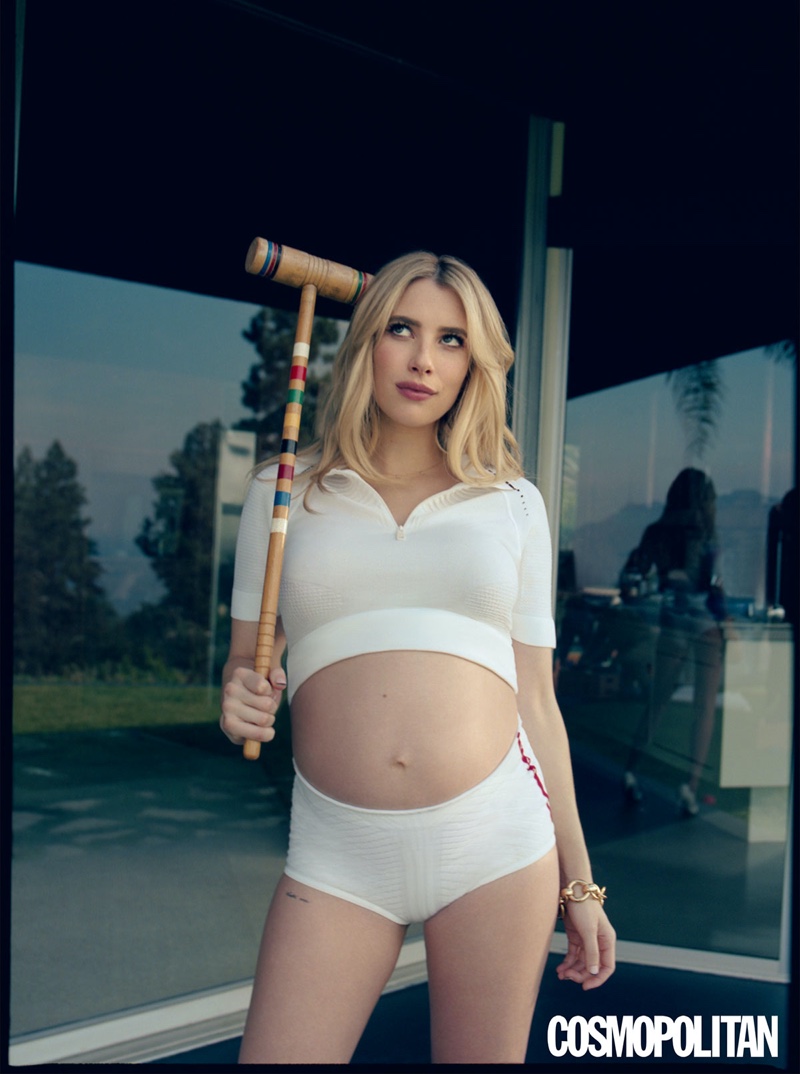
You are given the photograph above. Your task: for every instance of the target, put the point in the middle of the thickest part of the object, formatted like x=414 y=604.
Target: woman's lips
x=414 y=391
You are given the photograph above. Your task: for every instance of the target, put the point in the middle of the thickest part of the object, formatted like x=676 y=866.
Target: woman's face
x=421 y=362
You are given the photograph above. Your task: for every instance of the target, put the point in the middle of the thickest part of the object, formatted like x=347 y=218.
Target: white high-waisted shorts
x=407 y=864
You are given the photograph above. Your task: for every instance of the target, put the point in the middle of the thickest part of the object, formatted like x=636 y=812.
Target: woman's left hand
x=591 y=950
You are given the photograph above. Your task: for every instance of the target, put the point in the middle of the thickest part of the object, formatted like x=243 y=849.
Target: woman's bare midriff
x=401 y=730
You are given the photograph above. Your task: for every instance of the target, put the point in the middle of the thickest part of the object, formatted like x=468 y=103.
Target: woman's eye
x=399 y=328
x=453 y=340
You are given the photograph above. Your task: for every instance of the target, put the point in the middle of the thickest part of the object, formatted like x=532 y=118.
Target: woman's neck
x=408 y=456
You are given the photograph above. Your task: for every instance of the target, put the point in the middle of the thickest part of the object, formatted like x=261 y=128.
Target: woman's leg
x=671 y=652
x=486 y=954
x=707 y=677
x=322 y=966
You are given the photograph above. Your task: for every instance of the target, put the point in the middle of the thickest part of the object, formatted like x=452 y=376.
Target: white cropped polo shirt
x=469 y=571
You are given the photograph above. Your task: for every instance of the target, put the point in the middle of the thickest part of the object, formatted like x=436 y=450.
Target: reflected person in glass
x=433 y=781
x=680 y=552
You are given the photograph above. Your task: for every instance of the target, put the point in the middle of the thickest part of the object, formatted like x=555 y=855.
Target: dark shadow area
x=399 y=1030
x=680 y=170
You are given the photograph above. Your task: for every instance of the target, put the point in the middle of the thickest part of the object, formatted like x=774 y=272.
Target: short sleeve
x=532 y=621
x=251 y=547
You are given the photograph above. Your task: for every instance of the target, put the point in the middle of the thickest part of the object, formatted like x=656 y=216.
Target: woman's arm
x=590 y=956
x=250 y=701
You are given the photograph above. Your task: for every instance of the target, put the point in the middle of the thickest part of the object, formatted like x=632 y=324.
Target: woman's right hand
x=249 y=704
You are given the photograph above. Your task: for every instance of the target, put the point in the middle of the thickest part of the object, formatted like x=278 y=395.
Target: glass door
x=134 y=439
x=676 y=611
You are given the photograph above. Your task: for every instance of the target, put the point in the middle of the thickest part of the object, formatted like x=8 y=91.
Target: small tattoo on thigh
x=292 y=895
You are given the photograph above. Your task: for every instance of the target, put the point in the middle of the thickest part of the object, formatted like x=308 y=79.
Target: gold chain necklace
x=417 y=473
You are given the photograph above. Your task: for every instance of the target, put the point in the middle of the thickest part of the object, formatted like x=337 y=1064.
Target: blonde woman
x=433 y=781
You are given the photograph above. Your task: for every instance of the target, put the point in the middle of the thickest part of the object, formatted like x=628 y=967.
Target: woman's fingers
x=249 y=704
x=590 y=958
x=240 y=724
x=277 y=678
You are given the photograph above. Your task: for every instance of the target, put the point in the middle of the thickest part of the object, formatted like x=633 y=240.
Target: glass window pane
x=676 y=607
x=145 y=847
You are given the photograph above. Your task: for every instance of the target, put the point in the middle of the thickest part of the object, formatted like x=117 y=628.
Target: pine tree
x=178 y=539
x=62 y=618
x=264 y=392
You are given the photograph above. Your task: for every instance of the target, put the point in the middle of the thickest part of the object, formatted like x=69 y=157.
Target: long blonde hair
x=474 y=434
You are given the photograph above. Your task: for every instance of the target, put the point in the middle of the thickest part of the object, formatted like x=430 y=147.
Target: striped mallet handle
x=314 y=276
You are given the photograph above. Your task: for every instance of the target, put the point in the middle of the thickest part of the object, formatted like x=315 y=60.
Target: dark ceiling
x=157 y=138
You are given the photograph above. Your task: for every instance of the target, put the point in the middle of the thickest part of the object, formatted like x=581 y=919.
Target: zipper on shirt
x=400 y=533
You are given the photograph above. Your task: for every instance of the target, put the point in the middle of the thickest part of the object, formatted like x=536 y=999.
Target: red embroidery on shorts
x=532 y=768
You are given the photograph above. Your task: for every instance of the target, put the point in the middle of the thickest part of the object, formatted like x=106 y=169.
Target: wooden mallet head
x=296 y=269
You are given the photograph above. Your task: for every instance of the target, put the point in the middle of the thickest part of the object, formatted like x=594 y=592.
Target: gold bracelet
x=589 y=891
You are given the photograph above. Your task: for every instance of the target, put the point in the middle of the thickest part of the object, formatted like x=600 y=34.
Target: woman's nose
x=422 y=358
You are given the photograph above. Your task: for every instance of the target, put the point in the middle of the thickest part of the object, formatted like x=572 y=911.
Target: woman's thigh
x=486 y=954
x=322 y=966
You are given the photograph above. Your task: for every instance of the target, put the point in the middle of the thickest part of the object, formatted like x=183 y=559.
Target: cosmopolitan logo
x=734 y=1036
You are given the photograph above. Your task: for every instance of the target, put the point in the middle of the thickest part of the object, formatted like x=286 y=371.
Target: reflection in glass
x=674 y=658
x=675 y=565
x=137 y=412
